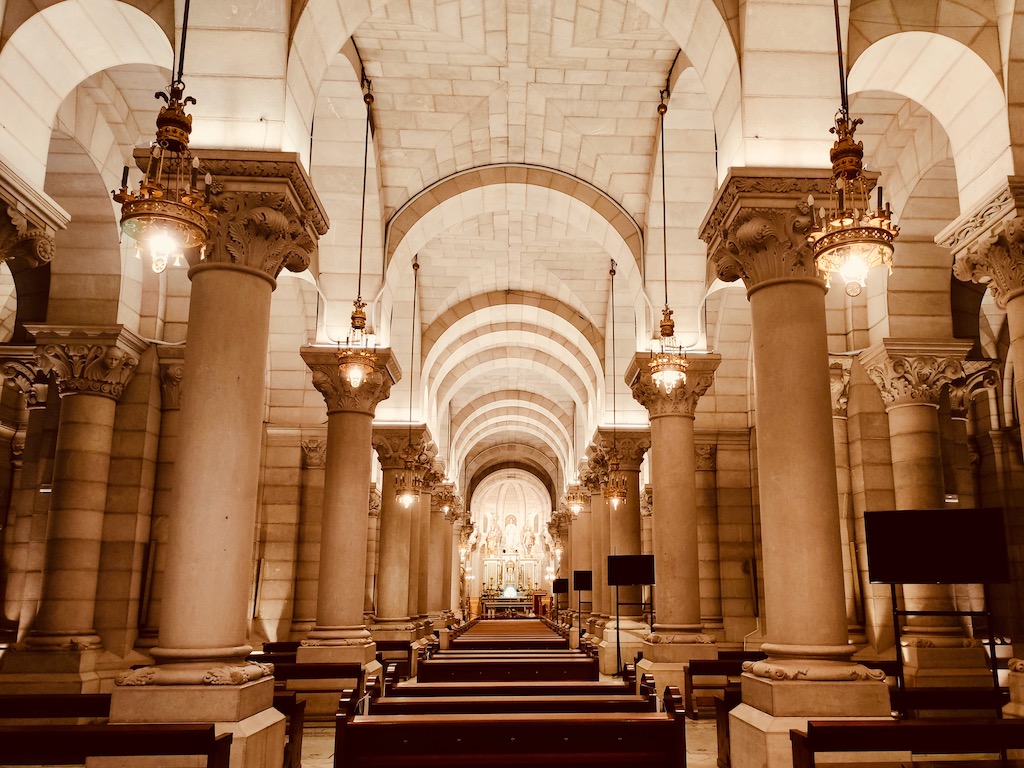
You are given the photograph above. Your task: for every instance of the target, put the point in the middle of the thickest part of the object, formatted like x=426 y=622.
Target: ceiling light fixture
x=615 y=489
x=849 y=238
x=407 y=485
x=668 y=367
x=355 y=362
x=169 y=213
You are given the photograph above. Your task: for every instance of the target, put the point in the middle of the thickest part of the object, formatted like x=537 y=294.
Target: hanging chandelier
x=355 y=362
x=615 y=488
x=850 y=237
x=575 y=499
x=668 y=368
x=408 y=484
x=169 y=213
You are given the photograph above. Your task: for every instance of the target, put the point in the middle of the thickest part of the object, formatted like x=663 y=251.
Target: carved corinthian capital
x=997 y=260
x=29 y=220
x=396 y=444
x=913 y=371
x=268 y=215
x=627 y=445
x=839 y=382
x=706 y=455
x=978 y=375
x=339 y=394
x=22 y=372
x=314 y=453
x=88 y=360
x=757 y=228
x=172 y=372
x=682 y=400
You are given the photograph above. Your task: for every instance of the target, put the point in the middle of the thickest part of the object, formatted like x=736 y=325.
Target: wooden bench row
x=544 y=740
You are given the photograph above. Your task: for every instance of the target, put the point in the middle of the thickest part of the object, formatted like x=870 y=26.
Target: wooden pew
x=724 y=704
x=914 y=701
x=73 y=744
x=707 y=675
x=649 y=739
x=930 y=736
x=550 y=688
x=464 y=705
x=511 y=669
x=285 y=673
x=25 y=706
x=398 y=652
x=294 y=710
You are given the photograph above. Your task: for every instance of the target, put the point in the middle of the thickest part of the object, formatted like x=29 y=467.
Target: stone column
x=708 y=534
x=426 y=564
x=91 y=367
x=624 y=637
x=267 y=219
x=582 y=548
x=172 y=360
x=910 y=374
x=678 y=634
x=454 y=595
x=839 y=380
x=987 y=243
x=21 y=372
x=592 y=480
x=393 y=621
x=340 y=634
x=307 y=569
x=372 y=551
x=757 y=231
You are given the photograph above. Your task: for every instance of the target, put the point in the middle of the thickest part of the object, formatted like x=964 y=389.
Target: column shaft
x=435 y=570
x=395 y=545
x=211 y=530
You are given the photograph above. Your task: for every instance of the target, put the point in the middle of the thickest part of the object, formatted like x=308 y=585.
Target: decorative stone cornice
x=172 y=371
x=29 y=220
x=375 y=501
x=628 y=445
x=996 y=260
x=978 y=375
x=682 y=401
x=839 y=367
x=974 y=225
x=812 y=670
x=592 y=477
x=342 y=397
x=646 y=501
x=757 y=227
x=913 y=371
x=392 y=444
x=225 y=674
x=706 y=456
x=269 y=217
x=22 y=372
x=314 y=453
x=88 y=360
x=433 y=474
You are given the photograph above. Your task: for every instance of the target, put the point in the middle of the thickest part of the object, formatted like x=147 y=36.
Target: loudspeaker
x=936 y=546
x=560 y=587
x=625 y=570
x=582 y=581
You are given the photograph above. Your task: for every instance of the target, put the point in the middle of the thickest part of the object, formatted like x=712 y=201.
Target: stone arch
x=955 y=85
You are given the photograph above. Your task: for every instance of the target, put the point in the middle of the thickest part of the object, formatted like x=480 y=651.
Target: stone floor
x=701 y=747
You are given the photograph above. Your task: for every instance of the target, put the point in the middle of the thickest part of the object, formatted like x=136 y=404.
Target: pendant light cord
x=662 y=109
x=368 y=99
x=842 y=70
x=181 y=50
x=412 y=339
x=614 y=419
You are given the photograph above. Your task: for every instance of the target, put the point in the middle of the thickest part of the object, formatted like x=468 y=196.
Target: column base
x=623 y=639
x=393 y=629
x=24 y=670
x=245 y=711
x=759 y=727
x=928 y=665
x=1015 y=679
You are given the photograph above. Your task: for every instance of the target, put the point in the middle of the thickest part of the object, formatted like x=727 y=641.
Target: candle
x=879 y=197
x=124 y=178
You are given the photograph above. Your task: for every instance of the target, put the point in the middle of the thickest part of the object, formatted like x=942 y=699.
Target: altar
x=507 y=606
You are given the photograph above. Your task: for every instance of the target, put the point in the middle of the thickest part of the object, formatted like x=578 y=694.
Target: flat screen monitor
x=626 y=570
x=582 y=581
x=560 y=587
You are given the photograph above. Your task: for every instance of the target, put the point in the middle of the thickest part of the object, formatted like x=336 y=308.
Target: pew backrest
x=73 y=744
x=53 y=705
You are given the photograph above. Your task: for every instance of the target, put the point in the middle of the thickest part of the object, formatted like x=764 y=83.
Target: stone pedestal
x=245 y=711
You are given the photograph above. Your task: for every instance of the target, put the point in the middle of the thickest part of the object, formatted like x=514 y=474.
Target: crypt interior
x=413 y=364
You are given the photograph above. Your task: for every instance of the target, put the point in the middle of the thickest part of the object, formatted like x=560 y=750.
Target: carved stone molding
x=29 y=220
x=393 y=446
x=976 y=224
x=172 y=371
x=22 y=372
x=268 y=215
x=757 y=227
x=979 y=375
x=646 y=501
x=339 y=394
x=996 y=260
x=224 y=674
x=706 y=455
x=812 y=669
x=314 y=453
x=913 y=371
x=628 y=445
x=591 y=478
x=839 y=382
x=88 y=360
x=682 y=401
x=375 y=501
